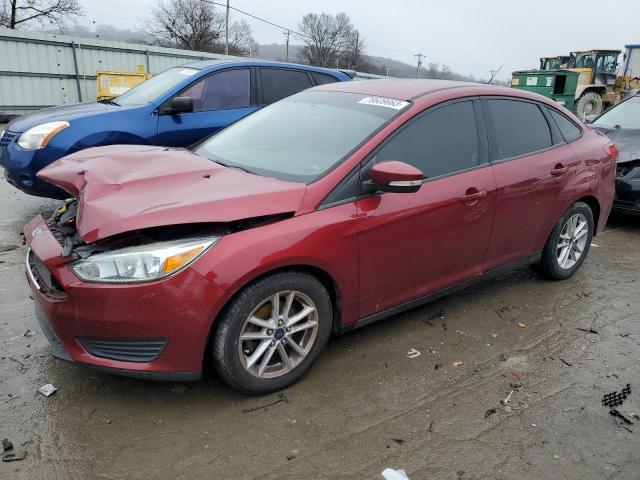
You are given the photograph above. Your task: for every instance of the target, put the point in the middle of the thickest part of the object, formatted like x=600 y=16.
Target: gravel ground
x=365 y=405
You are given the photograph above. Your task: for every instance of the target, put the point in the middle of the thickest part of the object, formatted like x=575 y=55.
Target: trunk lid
x=121 y=188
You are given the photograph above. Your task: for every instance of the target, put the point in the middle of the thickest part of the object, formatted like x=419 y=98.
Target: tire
x=233 y=357
x=589 y=103
x=551 y=264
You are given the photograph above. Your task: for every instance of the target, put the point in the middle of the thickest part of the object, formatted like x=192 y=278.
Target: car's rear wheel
x=568 y=243
x=270 y=334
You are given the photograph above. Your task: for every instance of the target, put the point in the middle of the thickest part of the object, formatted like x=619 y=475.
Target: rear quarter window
x=567 y=128
x=323 y=78
x=516 y=128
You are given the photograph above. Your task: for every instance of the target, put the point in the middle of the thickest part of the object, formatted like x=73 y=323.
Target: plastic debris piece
x=508 y=398
x=457 y=363
x=616 y=413
x=614 y=399
x=47 y=390
x=588 y=330
x=6 y=444
x=413 y=353
x=398 y=441
x=521 y=325
x=391 y=474
x=13 y=455
x=489 y=412
x=29 y=333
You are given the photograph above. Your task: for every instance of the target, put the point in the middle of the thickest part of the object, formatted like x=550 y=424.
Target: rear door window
x=280 y=83
x=439 y=142
x=516 y=128
x=221 y=91
x=568 y=129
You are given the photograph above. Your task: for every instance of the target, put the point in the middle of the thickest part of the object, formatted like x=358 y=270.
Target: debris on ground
x=521 y=325
x=457 y=363
x=491 y=411
x=29 y=333
x=6 y=247
x=616 y=413
x=439 y=315
x=281 y=398
x=13 y=455
x=614 y=399
x=507 y=409
x=293 y=455
x=10 y=454
x=398 y=441
x=47 y=390
x=507 y=399
x=437 y=366
x=430 y=429
x=588 y=330
x=413 y=353
x=391 y=474
x=501 y=311
x=567 y=363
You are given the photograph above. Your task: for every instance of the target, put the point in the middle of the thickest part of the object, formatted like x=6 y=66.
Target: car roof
x=401 y=89
x=204 y=64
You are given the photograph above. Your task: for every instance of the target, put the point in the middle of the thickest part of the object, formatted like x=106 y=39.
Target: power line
x=255 y=17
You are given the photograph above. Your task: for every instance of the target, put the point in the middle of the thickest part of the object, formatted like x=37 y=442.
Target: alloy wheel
x=572 y=241
x=278 y=334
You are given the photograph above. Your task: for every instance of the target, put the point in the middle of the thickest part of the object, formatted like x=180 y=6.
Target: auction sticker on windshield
x=385 y=102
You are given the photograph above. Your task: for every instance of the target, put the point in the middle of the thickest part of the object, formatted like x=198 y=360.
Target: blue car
x=175 y=108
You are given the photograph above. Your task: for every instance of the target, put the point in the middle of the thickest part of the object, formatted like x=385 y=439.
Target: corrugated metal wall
x=39 y=70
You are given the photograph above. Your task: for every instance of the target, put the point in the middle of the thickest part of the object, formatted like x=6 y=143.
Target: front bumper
x=627 y=199
x=22 y=165
x=76 y=316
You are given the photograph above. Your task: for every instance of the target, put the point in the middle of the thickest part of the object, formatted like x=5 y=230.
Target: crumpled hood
x=121 y=188
x=61 y=113
x=627 y=141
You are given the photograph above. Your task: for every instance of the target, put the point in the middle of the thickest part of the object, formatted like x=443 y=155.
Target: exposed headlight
x=142 y=263
x=38 y=137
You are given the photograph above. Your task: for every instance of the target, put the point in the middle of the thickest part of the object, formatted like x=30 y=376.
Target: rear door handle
x=472 y=195
x=559 y=170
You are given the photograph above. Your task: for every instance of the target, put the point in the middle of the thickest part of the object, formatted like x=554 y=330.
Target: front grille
x=45 y=282
x=6 y=138
x=135 y=350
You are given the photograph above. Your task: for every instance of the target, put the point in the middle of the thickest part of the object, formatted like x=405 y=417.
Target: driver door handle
x=558 y=170
x=472 y=195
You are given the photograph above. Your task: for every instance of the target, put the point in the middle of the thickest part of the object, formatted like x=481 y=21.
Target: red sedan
x=328 y=210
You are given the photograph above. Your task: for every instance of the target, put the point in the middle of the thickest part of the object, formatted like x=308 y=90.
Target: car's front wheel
x=568 y=243
x=271 y=332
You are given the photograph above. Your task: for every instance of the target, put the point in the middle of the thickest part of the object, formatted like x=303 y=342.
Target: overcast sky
x=471 y=36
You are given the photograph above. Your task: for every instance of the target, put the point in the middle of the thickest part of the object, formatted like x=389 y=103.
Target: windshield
x=154 y=87
x=624 y=115
x=301 y=137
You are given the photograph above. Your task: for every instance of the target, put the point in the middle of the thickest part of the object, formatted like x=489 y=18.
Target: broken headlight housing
x=142 y=263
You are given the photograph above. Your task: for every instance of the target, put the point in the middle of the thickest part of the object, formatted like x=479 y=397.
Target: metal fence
x=39 y=70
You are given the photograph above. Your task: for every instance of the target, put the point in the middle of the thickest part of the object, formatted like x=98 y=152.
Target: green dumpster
x=559 y=85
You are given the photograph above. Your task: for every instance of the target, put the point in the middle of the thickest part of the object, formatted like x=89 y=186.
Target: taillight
x=612 y=150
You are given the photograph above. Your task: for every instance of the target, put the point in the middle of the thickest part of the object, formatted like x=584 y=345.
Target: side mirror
x=178 y=105
x=396 y=177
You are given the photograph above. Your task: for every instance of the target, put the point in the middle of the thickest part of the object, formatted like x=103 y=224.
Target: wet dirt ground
x=365 y=405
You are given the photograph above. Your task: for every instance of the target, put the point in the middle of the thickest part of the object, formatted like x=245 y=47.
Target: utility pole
x=286 y=56
x=494 y=73
x=419 y=57
x=226 y=31
x=355 y=57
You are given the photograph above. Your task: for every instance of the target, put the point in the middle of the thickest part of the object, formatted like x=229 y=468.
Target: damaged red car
x=328 y=210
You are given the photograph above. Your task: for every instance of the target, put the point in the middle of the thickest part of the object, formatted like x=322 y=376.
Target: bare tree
x=353 y=54
x=187 y=24
x=17 y=13
x=197 y=25
x=241 y=41
x=326 y=38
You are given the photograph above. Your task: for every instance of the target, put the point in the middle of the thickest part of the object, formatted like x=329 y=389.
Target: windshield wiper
x=108 y=102
x=234 y=166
